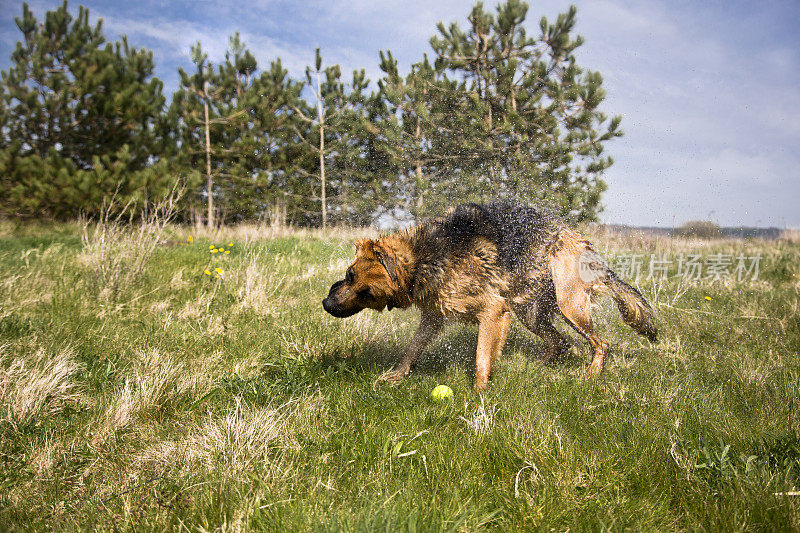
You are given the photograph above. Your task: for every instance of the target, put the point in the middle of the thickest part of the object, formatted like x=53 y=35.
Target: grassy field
x=143 y=389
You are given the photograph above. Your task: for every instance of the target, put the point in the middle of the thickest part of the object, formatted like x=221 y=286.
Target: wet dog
x=477 y=264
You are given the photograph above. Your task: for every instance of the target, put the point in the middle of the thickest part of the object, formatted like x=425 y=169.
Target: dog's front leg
x=492 y=329
x=430 y=325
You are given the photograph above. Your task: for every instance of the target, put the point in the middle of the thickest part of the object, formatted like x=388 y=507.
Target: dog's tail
x=635 y=310
x=575 y=265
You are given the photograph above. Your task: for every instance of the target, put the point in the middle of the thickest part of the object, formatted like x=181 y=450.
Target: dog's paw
x=480 y=387
x=392 y=376
x=595 y=369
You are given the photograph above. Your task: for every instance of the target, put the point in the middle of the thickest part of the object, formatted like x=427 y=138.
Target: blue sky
x=709 y=92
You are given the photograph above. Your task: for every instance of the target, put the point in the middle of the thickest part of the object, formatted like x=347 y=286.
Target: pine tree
x=378 y=171
x=501 y=114
x=195 y=107
x=265 y=178
x=81 y=119
x=263 y=175
x=418 y=106
x=236 y=126
x=333 y=130
x=353 y=176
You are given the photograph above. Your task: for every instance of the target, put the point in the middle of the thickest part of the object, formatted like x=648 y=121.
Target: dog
x=478 y=264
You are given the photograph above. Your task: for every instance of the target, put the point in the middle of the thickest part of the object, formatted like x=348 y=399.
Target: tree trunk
x=322 y=174
x=277 y=217
x=344 y=204
x=418 y=165
x=321 y=118
x=208 y=159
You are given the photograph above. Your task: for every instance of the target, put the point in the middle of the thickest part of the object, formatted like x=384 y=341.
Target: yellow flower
x=210 y=246
x=219 y=270
x=190 y=239
x=207 y=272
x=708 y=297
x=230 y=244
x=227 y=251
x=214 y=251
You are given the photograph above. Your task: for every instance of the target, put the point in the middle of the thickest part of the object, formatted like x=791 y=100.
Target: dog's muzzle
x=337 y=311
x=331 y=305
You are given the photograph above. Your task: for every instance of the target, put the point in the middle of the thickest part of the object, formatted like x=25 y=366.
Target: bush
x=700 y=229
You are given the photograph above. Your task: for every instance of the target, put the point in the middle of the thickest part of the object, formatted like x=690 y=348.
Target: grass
x=231 y=401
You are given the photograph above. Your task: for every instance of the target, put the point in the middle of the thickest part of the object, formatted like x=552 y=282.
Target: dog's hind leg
x=430 y=324
x=576 y=307
x=500 y=341
x=536 y=316
x=574 y=301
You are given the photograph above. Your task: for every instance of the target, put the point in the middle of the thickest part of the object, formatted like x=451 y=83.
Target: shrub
x=700 y=229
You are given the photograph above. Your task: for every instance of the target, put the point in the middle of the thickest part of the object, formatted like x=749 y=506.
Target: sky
x=709 y=91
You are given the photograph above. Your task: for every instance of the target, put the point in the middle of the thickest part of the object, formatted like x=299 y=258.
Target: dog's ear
x=362 y=244
x=388 y=260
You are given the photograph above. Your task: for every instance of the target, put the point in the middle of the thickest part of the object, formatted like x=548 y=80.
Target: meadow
x=173 y=378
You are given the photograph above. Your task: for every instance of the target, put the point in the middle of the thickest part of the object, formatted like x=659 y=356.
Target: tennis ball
x=442 y=392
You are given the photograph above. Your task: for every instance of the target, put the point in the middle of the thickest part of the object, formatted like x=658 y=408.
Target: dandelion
x=214 y=251
x=227 y=252
x=708 y=297
x=210 y=246
x=190 y=239
x=207 y=273
x=230 y=244
x=219 y=270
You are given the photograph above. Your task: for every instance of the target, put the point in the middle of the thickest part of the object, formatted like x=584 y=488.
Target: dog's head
x=371 y=281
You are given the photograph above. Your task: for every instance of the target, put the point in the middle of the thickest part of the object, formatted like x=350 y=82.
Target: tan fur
x=574 y=295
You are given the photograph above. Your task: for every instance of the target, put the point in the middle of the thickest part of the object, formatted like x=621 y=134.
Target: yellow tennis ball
x=442 y=392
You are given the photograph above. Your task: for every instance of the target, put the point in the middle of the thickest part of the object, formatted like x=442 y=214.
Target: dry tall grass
x=155 y=381
x=791 y=235
x=250 y=232
x=36 y=384
x=117 y=252
x=258 y=285
x=239 y=440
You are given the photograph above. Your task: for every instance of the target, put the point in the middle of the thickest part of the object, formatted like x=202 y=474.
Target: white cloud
x=707 y=126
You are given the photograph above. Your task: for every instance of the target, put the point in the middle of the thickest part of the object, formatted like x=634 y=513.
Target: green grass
x=181 y=400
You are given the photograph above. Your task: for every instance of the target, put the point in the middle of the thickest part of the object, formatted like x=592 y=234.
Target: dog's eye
x=348 y=276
